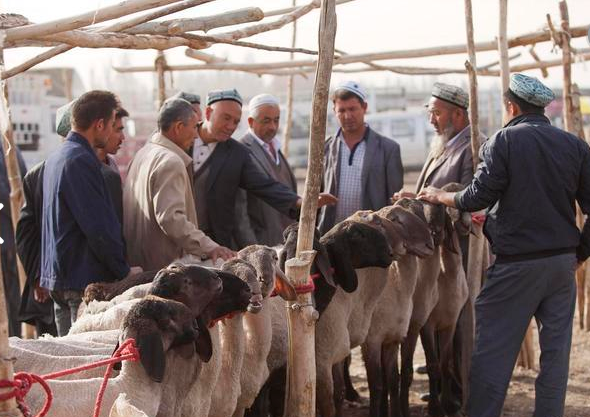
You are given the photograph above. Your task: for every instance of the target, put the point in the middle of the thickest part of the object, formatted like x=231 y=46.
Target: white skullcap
x=354 y=88
x=261 y=100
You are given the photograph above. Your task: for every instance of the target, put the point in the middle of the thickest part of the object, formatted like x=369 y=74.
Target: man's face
x=440 y=116
x=223 y=117
x=266 y=123
x=187 y=132
x=197 y=108
x=116 y=138
x=103 y=130
x=350 y=114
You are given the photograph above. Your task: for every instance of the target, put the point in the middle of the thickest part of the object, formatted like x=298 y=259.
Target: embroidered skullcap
x=220 y=95
x=354 y=88
x=531 y=90
x=451 y=94
x=190 y=97
x=63 y=119
x=262 y=100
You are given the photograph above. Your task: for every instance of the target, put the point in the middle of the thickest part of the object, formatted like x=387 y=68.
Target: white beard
x=437 y=146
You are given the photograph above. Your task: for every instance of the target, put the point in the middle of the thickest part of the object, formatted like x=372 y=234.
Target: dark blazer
x=257 y=221
x=455 y=165
x=382 y=175
x=232 y=167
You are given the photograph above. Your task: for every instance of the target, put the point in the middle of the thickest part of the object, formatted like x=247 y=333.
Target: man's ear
x=208 y=112
x=250 y=121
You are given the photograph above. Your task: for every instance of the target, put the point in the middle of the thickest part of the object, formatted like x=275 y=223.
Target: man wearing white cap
x=530 y=177
x=258 y=222
x=361 y=167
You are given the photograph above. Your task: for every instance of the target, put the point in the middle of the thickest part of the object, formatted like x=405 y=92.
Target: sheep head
x=246 y=272
x=461 y=220
x=415 y=232
x=159 y=325
x=392 y=230
x=271 y=277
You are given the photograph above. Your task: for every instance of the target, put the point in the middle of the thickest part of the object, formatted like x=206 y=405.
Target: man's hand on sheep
x=324 y=199
x=221 y=252
x=402 y=194
x=437 y=196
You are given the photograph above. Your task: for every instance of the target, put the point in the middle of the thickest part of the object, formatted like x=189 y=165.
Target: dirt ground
x=521 y=394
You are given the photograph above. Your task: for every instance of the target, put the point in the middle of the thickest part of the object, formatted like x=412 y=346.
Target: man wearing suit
x=362 y=168
x=222 y=165
x=258 y=222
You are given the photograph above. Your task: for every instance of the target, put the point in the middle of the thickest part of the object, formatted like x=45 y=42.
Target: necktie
x=273 y=151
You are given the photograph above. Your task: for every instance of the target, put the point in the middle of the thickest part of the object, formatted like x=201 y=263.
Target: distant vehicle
x=410 y=129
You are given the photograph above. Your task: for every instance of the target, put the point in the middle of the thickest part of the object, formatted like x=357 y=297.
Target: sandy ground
x=521 y=394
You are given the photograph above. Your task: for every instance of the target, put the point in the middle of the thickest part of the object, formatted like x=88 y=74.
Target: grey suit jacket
x=382 y=174
x=455 y=165
x=257 y=221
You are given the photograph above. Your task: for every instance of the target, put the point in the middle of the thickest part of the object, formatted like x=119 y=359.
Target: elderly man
x=193 y=99
x=160 y=216
x=362 y=168
x=532 y=230
x=81 y=239
x=258 y=222
x=222 y=165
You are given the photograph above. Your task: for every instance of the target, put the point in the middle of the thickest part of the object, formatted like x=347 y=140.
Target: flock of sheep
x=214 y=342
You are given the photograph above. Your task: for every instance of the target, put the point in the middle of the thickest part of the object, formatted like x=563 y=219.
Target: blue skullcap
x=63 y=119
x=219 y=95
x=451 y=94
x=190 y=97
x=354 y=88
x=531 y=90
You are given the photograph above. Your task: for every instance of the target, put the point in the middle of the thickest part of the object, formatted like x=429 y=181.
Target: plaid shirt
x=349 y=184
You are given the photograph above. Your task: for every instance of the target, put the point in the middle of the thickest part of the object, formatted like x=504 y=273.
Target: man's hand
x=437 y=196
x=402 y=194
x=40 y=294
x=134 y=270
x=326 y=199
x=221 y=252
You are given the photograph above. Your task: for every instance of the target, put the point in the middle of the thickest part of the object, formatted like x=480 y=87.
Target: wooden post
x=568 y=106
x=290 y=80
x=160 y=65
x=503 y=49
x=301 y=368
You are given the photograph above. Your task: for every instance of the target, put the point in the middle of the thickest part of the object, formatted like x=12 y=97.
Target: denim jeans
x=65 y=304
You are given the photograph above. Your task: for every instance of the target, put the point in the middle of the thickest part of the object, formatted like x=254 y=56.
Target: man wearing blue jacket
x=81 y=239
x=530 y=177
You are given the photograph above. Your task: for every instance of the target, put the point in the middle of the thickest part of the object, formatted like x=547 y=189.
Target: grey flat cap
x=190 y=97
x=63 y=119
x=220 y=95
x=531 y=90
x=451 y=94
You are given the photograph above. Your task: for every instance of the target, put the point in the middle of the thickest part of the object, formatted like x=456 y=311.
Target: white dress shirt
x=276 y=143
x=201 y=152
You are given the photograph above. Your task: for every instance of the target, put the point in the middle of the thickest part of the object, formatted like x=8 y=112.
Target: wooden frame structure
x=144 y=32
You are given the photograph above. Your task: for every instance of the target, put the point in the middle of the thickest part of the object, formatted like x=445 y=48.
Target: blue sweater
x=531 y=175
x=81 y=238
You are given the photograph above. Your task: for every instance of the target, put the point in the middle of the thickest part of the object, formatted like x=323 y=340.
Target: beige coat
x=160 y=216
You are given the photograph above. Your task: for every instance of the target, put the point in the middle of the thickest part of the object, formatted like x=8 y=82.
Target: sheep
x=453 y=293
x=106 y=291
x=108 y=320
x=235 y=297
x=391 y=317
x=351 y=245
x=94 y=306
x=122 y=408
x=163 y=331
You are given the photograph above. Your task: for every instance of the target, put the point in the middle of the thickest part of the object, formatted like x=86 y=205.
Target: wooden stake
x=568 y=106
x=290 y=82
x=160 y=65
x=120 y=26
x=503 y=49
x=300 y=397
x=544 y=71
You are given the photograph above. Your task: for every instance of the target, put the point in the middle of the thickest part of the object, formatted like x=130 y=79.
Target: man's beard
x=439 y=141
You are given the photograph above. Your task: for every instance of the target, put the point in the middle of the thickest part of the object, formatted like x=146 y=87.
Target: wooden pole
x=301 y=370
x=568 y=105
x=290 y=81
x=160 y=65
x=503 y=49
x=117 y=27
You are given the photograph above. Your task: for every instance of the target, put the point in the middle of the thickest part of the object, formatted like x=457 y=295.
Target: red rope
x=478 y=218
x=306 y=288
x=23 y=381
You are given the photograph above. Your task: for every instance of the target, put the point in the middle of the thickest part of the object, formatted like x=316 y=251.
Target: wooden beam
x=205 y=24
x=503 y=49
x=301 y=368
x=290 y=82
x=534 y=55
x=278 y=12
x=568 y=105
x=160 y=65
x=74 y=22
x=117 y=27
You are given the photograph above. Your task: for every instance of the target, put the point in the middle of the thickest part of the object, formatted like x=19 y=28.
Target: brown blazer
x=455 y=165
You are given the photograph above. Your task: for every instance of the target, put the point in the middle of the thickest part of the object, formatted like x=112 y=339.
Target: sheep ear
x=449 y=240
x=282 y=259
x=203 y=344
x=151 y=353
x=283 y=287
x=117 y=365
x=322 y=262
x=343 y=270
